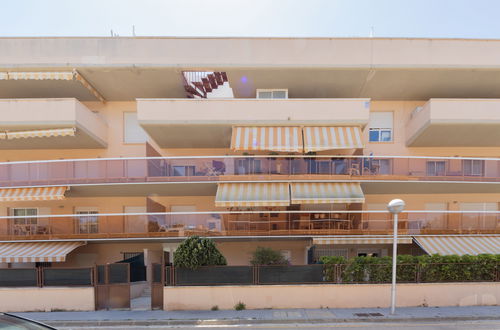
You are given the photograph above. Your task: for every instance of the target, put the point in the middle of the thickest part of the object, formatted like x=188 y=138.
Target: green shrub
x=214 y=308
x=196 y=251
x=424 y=268
x=240 y=306
x=267 y=256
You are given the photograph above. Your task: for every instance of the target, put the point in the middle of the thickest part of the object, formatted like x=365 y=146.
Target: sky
x=254 y=18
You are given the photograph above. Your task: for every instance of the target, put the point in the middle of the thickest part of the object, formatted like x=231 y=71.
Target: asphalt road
x=444 y=325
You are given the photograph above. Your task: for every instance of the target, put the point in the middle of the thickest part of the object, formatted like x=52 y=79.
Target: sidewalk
x=226 y=317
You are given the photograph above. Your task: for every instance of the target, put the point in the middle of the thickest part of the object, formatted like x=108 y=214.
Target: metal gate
x=157 y=285
x=112 y=286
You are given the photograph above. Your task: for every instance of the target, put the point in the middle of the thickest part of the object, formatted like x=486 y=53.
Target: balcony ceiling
x=210 y=189
x=458 y=135
x=127 y=84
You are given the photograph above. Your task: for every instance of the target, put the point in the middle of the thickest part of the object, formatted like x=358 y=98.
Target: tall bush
x=197 y=251
x=267 y=256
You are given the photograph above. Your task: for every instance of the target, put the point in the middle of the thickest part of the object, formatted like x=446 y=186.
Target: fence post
x=39 y=277
x=417 y=273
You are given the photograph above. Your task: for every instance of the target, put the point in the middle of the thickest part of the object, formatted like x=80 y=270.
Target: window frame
x=88 y=225
x=472 y=161
x=380 y=129
x=435 y=162
x=271 y=90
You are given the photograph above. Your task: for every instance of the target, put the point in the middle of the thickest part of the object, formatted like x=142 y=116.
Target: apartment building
x=117 y=147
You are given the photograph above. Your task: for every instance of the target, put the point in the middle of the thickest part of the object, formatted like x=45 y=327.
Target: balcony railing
x=234 y=168
x=248 y=223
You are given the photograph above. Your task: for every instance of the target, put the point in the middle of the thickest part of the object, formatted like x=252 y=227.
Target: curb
x=111 y=323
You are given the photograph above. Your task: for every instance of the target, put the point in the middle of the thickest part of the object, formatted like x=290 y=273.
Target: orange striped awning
x=270 y=138
x=32 y=194
x=252 y=194
x=330 y=138
x=326 y=192
x=459 y=245
x=37 y=251
x=41 y=133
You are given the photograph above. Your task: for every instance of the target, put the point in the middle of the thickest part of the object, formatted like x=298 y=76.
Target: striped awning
x=269 y=138
x=459 y=245
x=37 y=251
x=3 y=135
x=41 y=133
x=326 y=192
x=62 y=75
x=252 y=194
x=66 y=75
x=360 y=240
x=32 y=194
x=331 y=138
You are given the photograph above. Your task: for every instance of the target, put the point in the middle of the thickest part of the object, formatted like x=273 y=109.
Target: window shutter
x=381 y=120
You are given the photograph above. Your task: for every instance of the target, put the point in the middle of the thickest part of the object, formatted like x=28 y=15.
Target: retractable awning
x=37 y=251
x=331 y=138
x=459 y=245
x=32 y=194
x=73 y=75
x=65 y=75
x=360 y=240
x=252 y=194
x=41 y=133
x=267 y=138
x=326 y=192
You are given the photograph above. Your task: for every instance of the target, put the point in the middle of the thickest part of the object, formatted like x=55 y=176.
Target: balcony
x=455 y=123
x=42 y=117
x=207 y=123
x=248 y=223
x=382 y=169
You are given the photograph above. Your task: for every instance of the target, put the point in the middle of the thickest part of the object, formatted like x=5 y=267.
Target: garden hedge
x=435 y=268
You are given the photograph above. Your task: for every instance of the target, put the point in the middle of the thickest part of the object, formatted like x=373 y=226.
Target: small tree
x=267 y=256
x=197 y=251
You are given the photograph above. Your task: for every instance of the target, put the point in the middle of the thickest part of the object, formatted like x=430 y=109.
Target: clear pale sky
x=273 y=18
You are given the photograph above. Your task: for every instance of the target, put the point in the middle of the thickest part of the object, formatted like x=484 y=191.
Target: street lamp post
x=395 y=206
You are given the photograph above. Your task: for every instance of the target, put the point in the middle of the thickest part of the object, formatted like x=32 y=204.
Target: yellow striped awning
x=252 y=194
x=329 y=138
x=41 y=133
x=459 y=245
x=62 y=75
x=270 y=138
x=37 y=251
x=32 y=194
x=360 y=240
x=3 y=135
x=326 y=192
x=66 y=75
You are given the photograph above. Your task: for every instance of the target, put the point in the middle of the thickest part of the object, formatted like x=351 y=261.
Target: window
x=436 y=168
x=249 y=166
x=381 y=124
x=287 y=255
x=369 y=253
x=128 y=255
x=24 y=226
x=88 y=222
x=184 y=170
x=473 y=167
x=132 y=132
x=272 y=93
x=325 y=250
